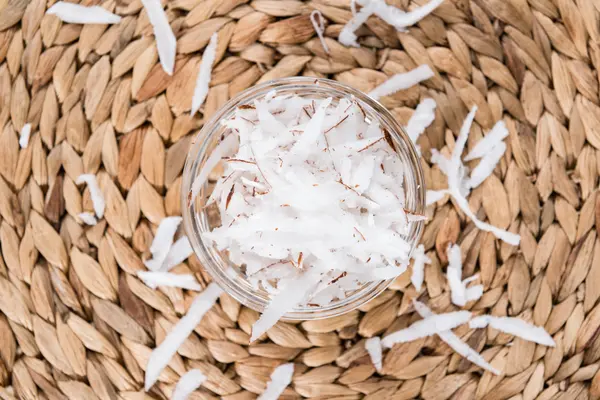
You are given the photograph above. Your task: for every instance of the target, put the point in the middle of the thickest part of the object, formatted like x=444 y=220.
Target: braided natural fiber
x=76 y=323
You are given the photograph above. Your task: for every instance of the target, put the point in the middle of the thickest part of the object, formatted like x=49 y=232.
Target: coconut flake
x=400 y=19
x=491 y=140
x=474 y=292
x=24 y=137
x=347 y=36
x=421 y=119
x=154 y=279
x=165 y=39
x=178 y=253
x=319 y=27
x=226 y=147
x=281 y=377
x=516 y=327
x=161 y=355
x=312 y=131
x=467 y=352
x=87 y=218
x=490 y=149
x=402 y=81
x=501 y=234
x=78 y=14
x=456 y=171
x=486 y=166
x=373 y=347
x=458 y=186
x=187 y=384
x=418 y=270
x=428 y=326
x=203 y=78
x=390 y=14
x=289 y=297
x=161 y=244
x=453 y=274
x=95 y=193
x=460 y=294
x=455 y=342
x=432 y=196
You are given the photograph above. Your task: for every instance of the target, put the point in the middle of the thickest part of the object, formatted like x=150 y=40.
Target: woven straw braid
x=75 y=321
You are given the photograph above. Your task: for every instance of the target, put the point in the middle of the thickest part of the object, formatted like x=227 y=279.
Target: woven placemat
x=76 y=323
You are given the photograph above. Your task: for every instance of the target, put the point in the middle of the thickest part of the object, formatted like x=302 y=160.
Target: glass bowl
x=197 y=219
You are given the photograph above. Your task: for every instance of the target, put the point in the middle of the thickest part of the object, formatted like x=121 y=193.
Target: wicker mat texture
x=77 y=324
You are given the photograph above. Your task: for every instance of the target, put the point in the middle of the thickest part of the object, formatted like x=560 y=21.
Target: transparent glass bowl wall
x=196 y=218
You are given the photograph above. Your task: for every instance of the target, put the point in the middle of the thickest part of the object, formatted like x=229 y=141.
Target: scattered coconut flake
x=421 y=119
x=458 y=288
x=165 y=38
x=390 y=14
x=402 y=81
x=455 y=342
x=490 y=150
x=459 y=186
x=288 y=298
x=24 y=137
x=398 y=18
x=78 y=14
x=486 y=166
x=161 y=244
x=456 y=168
x=153 y=279
x=490 y=140
x=466 y=351
x=432 y=196
x=178 y=253
x=347 y=36
x=508 y=237
x=319 y=27
x=161 y=355
x=203 y=78
x=418 y=271
x=474 y=292
x=226 y=147
x=281 y=377
x=434 y=324
x=373 y=347
x=516 y=327
x=87 y=218
x=470 y=279
x=187 y=384
x=95 y=193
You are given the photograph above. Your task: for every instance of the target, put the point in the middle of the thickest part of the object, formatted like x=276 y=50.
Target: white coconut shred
x=311 y=199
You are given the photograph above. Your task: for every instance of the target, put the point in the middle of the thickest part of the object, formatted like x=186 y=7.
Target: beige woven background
x=77 y=324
